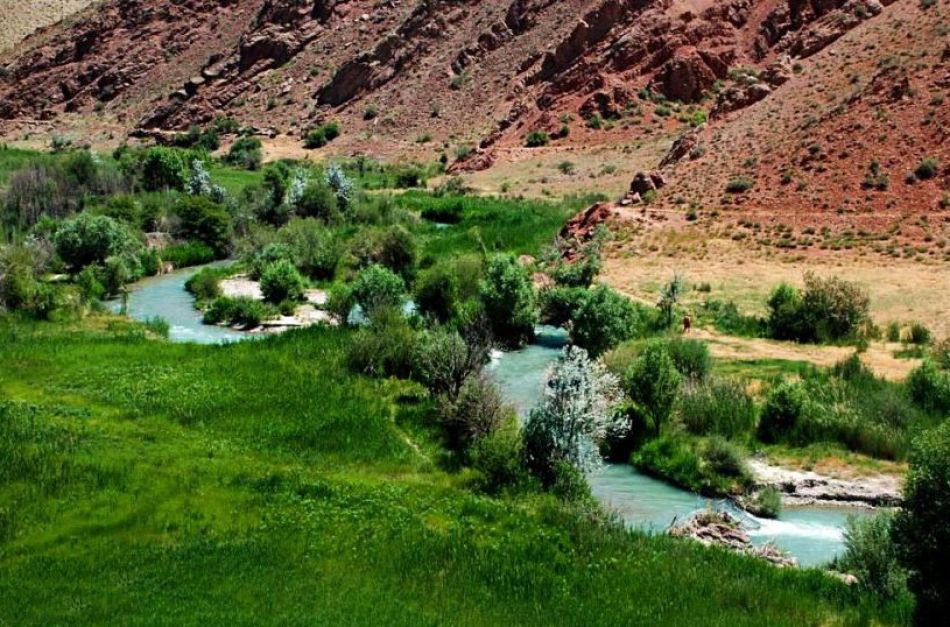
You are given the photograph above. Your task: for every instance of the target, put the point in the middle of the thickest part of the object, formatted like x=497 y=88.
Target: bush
x=920 y=529
x=437 y=292
x=572 y=419
x=557 y=304
x=767 y=503
x=497 y=458
x=534 y=139
x=929 y=387
x=244 y=312
x=378 y=287
x=507 y=295
x=245 y=153
x=281 y=282
x=719 y=407
x=188 y=254
x=653 y=383
x=919 y=334
x=785 y=407
x=204 y=284
x=385 y=347
x=602 y=318
x=91 y=239
x=314 y=249
x=164 y=168
x=443 y=361
x=475 y=413
x=201 y=219
x=318 y=201
x=691 y=357
x=927 y=169
x=725 y=458
x=828 y=310
x=739 y=185
x=870 y=554
x=396 y=249
x=322 y=135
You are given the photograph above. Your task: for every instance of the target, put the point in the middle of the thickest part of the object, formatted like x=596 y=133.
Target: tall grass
x=262 y=483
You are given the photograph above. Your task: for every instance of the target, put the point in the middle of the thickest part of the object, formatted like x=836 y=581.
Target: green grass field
x=144 y=482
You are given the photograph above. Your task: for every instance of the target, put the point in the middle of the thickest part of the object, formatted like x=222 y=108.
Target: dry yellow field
x=22 y=17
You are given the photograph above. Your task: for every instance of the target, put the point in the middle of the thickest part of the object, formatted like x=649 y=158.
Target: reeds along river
x=812 y=534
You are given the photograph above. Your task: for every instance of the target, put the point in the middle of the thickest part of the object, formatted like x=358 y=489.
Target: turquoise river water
x=811 y=534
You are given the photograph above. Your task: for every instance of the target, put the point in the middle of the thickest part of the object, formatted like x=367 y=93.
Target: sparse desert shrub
x=535 y=139
x=739 y=185
x=927 y=169
x=919 y=334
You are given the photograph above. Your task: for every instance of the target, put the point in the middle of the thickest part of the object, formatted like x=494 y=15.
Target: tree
x=475 y=412
x=91 y=239
x=921 y=531
x=508 y=297
x=164 y=168
x=437 y=292
x=245 y=153
x=669 y=297
x=572 y=418
x=206 y=221
x=377 y=287
x=601 y=319
x=654 y=383
x=443 y=361
x=397 y=251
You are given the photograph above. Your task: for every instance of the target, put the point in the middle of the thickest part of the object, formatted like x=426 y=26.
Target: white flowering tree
x=199 y=182
x=573 y=418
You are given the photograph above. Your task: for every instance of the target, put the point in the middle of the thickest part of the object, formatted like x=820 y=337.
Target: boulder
x=685 y=78
x=645 y=182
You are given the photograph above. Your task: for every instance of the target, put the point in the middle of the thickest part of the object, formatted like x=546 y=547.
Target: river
x=811 y=534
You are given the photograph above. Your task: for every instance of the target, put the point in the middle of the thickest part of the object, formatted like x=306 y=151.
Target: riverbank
x=802 y=487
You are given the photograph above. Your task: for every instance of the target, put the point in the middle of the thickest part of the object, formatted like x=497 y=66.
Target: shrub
x=443 y=361
x=201 y=219
x=157 y=325
x=437 y=292
x=828 y=309
x=475 y=413
x=534 y=139
x=929 y=387
x=244 y=312
x=672 y=459
x=314 y=249
x=941 y=353
x=602 y=318
x=91 y=239
x=164 y=168
x=893 y=332
x=378 y=287
x=322 y=135
x=557 y=304
x=739 y=185
x=409 y=176
x=919 y=334
x=508 y=297
x=188 y=254
x=396 y=249
x=927 y=169
x=785 y=406
x=870 y=554
x=497 y=458
x=281 y=282
x=725 y=458
x=245 y=153
x=572 y=419
x=719 y=407
x=691 y=357
x=318 y=201
x=653 y=383
x=385 y=347
x=204 y=284
x=920 y=529
x=767 y=503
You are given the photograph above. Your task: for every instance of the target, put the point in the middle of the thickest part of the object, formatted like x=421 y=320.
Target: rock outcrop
x=714 y=528
x=799 y=487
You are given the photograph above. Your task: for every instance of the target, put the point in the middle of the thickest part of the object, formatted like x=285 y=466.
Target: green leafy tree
x=203 y=220
x=921 y=531
x=509 y=300
x=164 y=168
x=377 y=287
x=602 y=318
x=654 y=384
x=281 y=282
x=91 y=239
